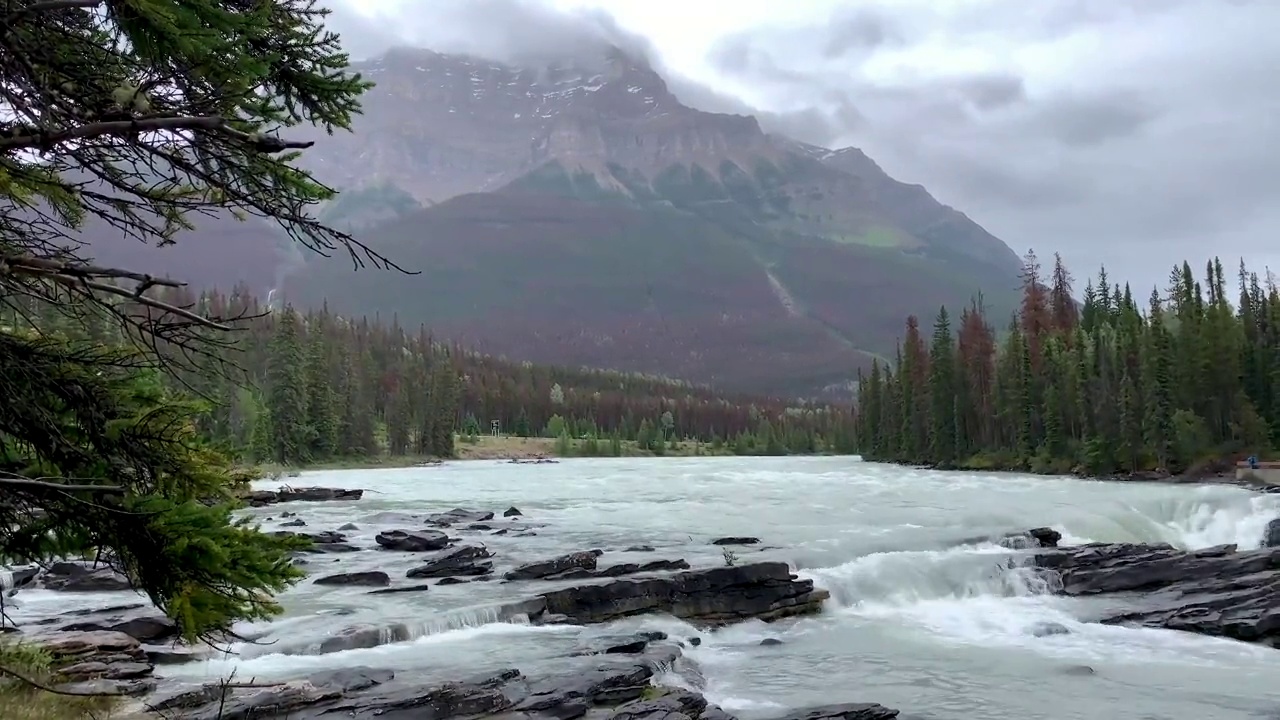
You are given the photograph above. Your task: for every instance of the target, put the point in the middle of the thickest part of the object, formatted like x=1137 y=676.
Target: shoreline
x=541 y=450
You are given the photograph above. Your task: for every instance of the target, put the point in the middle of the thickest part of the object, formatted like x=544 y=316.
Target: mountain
x=581 y=214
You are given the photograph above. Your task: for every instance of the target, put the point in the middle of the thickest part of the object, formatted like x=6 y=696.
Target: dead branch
x=18 y=483
x=19 y=137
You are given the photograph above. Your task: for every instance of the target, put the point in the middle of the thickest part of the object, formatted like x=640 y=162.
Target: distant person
x=1253 y=462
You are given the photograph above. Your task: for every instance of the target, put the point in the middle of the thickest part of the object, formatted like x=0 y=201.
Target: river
x=914 y=622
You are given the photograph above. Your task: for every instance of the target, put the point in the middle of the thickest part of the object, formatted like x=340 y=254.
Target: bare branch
x=20 y=137
x=15 y=482
x=28 y=680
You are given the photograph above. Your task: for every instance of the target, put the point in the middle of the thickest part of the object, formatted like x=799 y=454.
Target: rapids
x=923 y=617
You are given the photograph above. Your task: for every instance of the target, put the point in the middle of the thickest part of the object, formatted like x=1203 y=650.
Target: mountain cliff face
x=581 y=214
x=439 y=126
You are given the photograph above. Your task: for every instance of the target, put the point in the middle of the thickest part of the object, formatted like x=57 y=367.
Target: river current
x=918 y=619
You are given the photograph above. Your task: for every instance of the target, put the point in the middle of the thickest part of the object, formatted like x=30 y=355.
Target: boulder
x=458 y=515
x=512 y=511
x=81 y=577
x=736 y=540
x=1042 y=537
x=375 y=578
x=413 y=541
x=463 y=560
x=146 y=628
x=1271 y=535
x=717 y=596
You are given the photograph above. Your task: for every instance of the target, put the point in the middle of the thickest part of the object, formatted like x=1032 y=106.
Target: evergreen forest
x=298 y=388
x=1184 y=381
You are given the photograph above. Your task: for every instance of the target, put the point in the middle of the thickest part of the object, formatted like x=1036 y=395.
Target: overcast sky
x=1135 y=133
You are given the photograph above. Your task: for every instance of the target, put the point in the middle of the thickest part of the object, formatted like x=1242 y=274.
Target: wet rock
x=1042 y=537
x=1215 y=591
x=261 y=498
x=585 y=560
x=322 y=542
x=619 y=689
x=512 y=511
x=736 y=540
x=413 y=541
x=406 y=589
x=453 y=581
x=479 y=527
x=765 y=591
x=349 y=527
x=1048 y=629
x=767 y=642
x=580 y=573
x=464 y=560
x=18 y=577
x=364 y=636
x=695 y=641
x=80 y=577
x=373 y=577
x=173 y=654
x=633 y=644
x=640 y=548
x=144 y=628
x=1271 y=536
x=102 y=656
x=458 y=516
x=294 y=523
x=1078 y=670
x=845 y=711
x=503 y=531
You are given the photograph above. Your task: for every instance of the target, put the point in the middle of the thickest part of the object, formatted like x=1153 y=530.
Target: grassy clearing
x=486 y=447
x=874 y=237
x=21 y=701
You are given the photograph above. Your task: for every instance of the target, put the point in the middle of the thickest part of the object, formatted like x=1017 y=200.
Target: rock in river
x=764 y=591
x=80 y=577
x=604 y=691
x=464 y=560
x=1271 y=535
x=1215 y=591
x=458 y=515
x=375 y=578
x=413 y=541
x=261 y=498
x=585 y=560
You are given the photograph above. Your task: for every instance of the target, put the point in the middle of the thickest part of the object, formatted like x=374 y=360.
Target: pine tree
x=286 y=393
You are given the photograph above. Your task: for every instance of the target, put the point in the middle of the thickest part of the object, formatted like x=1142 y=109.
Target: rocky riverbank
x=622 y=683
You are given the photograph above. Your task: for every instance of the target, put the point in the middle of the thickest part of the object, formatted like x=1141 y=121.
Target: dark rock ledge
x=262 y=498
x=1219 y=591
x=764 y=591
x=605 y=691
x=718 y=596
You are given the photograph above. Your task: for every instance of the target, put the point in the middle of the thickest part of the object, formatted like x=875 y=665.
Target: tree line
x=299 y=387
x=1184 y=381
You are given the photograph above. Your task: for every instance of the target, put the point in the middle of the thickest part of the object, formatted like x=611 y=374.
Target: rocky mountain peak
x=440 y=125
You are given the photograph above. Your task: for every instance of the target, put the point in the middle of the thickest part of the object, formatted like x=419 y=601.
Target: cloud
x=1134 y=133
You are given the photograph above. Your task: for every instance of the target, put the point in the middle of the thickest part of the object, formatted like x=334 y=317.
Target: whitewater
x=925 y=615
